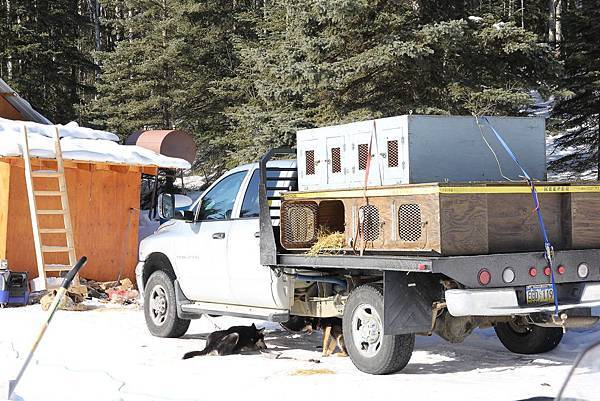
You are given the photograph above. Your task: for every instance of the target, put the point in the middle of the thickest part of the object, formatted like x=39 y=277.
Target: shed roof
x=21 y=105
x=78 y=143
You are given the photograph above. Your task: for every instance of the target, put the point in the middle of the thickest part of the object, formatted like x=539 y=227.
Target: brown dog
x=333 y=336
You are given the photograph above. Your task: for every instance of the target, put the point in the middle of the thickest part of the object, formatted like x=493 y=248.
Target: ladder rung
x=45 y=173
x=50 y=211
x=52 y=248
x=53 y=230
x=57 y=268
x=47 y=193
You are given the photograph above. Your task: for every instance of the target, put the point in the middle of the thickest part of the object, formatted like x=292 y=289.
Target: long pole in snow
x=12 y=384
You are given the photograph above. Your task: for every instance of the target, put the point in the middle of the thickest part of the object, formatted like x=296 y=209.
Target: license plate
x=539 y=294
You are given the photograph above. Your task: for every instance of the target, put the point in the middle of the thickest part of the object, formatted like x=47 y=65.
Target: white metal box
x=419 y=149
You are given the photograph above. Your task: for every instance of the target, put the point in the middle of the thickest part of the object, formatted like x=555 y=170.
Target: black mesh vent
x=392 y=151
x=310 y=162
x=336 y=160
x=370 y=224
x=299 y=224
x=409 y=222
x=363 y=155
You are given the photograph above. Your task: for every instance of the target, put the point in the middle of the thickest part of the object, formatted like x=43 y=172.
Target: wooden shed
x=103 y=184
x=104 y=199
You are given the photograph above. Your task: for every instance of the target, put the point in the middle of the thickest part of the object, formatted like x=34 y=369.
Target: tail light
x=484 y=277
x=533 y=272
x=547 y=271
x=561 y=269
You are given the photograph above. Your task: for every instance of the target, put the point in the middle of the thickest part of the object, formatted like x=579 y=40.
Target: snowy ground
x=107 y=354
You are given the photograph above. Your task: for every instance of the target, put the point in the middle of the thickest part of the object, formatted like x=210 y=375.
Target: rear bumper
x=503 y=302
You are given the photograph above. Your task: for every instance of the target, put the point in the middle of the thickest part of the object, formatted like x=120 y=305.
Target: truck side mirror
x=169 y=203
x=166 y=206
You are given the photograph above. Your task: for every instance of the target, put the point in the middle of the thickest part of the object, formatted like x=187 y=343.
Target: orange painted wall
x=104 y=206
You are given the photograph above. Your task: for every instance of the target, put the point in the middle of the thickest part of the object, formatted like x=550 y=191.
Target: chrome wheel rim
x=158 y=305
x=367 y=330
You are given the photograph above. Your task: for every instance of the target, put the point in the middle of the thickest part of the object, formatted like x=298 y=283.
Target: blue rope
x=548 y=248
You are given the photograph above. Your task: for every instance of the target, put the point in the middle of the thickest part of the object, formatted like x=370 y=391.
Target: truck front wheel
x=160 y=308
x=522 y=338
x=370 y=350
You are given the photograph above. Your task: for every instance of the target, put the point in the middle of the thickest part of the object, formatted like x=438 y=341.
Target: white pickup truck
x=223 y=257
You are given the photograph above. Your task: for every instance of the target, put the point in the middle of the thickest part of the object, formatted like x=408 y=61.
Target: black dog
x=234 y=340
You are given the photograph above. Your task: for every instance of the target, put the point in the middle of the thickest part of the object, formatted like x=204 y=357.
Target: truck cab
x=210 y=255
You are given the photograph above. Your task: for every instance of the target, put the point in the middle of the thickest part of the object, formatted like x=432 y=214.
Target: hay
x=310 y=372
x=328 y=244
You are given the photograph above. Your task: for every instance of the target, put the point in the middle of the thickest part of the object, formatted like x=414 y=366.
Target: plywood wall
x=104 y=204
x=4 y=191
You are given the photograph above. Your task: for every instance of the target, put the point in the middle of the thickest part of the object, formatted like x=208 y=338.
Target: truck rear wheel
x=370 y=350
x=527 y=338
x=160 y=308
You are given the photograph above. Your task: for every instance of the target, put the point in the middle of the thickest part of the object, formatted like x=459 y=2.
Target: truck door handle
x=218 y=235
x=257 y=234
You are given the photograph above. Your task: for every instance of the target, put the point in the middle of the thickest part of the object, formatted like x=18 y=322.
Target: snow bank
x=78 y=143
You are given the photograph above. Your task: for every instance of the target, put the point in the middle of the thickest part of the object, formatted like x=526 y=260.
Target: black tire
x=528 y=339
x=166 y=324
x=392 y=352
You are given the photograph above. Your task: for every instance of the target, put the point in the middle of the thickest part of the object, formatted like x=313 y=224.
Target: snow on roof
x=78 y=143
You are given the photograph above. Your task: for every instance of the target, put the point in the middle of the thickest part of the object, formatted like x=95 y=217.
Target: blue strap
x=548 y=249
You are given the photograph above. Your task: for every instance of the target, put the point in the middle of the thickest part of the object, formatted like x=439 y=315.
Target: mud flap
x=408 y=302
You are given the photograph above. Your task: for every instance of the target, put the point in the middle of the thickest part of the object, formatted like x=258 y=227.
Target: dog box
x=446 y=218
x=418 y=149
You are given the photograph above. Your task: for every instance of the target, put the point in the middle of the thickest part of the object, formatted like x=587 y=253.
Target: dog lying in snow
x=234 y=340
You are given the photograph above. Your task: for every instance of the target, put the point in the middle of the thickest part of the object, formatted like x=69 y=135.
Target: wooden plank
x=50 y=212
x=47 y=193
x=119 y=168
x=57 y=268
x=37 y=241
x=101 y=166
x=4 y=206
x=64 y=199
x=513 y=224
x=80 y=164
x=464 y=224
x=45 y=174
x=150 y=170
x=585 y=221
x=56 y=249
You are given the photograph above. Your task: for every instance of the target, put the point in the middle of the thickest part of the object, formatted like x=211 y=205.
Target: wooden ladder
x=39 y=232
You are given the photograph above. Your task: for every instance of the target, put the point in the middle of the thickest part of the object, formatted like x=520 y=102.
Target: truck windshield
x=217 y=204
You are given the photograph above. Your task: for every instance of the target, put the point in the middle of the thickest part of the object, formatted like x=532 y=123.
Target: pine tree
x=577 y=113
x=317 y=63
x=42 y=57
x=161 y=72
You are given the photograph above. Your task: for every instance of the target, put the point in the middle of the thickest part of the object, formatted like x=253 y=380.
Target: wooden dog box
x=446 y=218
